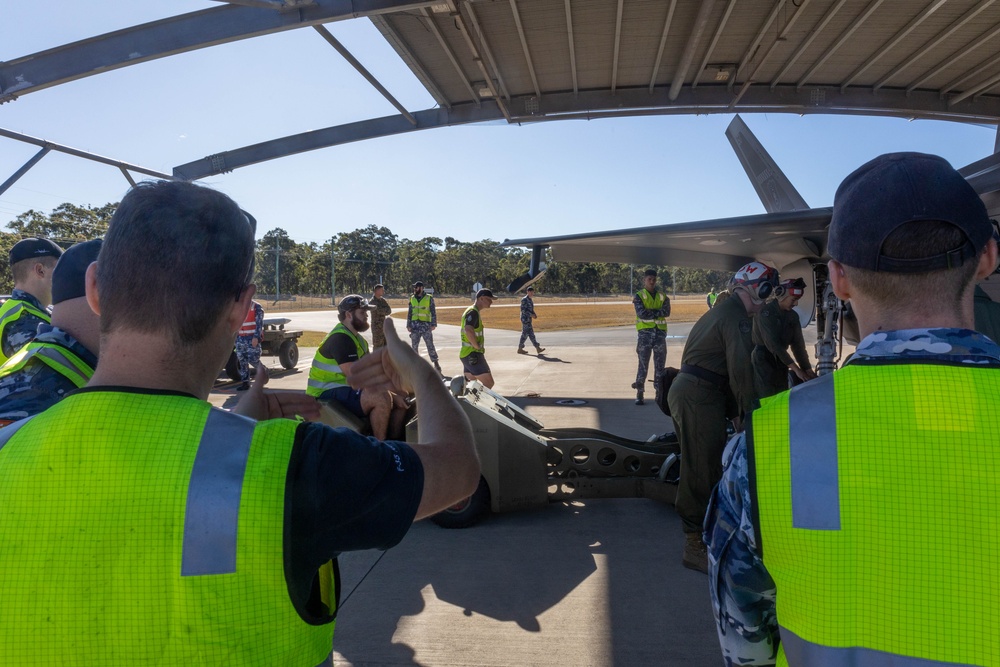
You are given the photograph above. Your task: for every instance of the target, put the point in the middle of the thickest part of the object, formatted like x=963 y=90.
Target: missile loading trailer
x=525 y=465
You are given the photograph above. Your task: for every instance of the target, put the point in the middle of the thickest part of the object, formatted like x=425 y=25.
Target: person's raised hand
x=259 y=404
x=394 y=367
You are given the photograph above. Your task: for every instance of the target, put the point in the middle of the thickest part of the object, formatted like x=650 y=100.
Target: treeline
x=355 y=261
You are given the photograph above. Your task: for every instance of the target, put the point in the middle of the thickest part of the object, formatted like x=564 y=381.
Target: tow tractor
x=525 y=465
x=275 y=341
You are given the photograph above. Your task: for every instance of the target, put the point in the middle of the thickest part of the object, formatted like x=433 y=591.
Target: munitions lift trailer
x=525 y=465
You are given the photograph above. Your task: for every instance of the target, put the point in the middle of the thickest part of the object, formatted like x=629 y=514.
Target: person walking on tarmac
x=473 y=352
x=421 y=321
x=652 y=308
x=775 y=328
x=185 y=534
x=715 y=383
x=331 y=369
x=710 y=299
x=527 y=328
x=31 y=264
x=63 y=355
x=836 y=538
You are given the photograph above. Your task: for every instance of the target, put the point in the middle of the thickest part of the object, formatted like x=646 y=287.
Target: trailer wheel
x=288 y=354
x=233 y=367
x=468 y=512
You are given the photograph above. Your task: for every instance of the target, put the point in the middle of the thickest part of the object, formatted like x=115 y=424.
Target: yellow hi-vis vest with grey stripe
x=878 y=494
x=651 y=302
x=11 y=310
x=325 y=373
x=421 y=308
x=60 y=359
x=147 y=529
x=467 y=348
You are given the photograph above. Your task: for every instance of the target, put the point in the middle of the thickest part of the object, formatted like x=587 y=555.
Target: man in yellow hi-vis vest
x=63 y=354
x=31 y=264
x=855 y=523
x=185 y=534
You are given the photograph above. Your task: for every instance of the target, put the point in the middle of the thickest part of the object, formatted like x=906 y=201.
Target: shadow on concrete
x=635 y=599
x=552 y=360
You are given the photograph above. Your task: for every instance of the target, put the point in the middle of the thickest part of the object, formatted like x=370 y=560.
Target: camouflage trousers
x=528 y=331
x=423 y=330
x=650 y=341
x=378 y=333
x=246 y=355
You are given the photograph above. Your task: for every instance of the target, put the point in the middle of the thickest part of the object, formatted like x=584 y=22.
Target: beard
x=360 y=322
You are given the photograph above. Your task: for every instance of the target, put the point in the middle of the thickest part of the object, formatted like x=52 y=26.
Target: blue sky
x=487 y=181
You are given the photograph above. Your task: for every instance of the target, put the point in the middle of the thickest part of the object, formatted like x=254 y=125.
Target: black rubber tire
x=288 y=354
x=233 y=367
x=467 y=513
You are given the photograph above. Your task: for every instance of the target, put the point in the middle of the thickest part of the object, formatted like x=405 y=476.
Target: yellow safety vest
x=651 y=302
x=60 y=359
x=11 y=310
x=877 y=493
x=147 y=529
x=325 y=373
x=467 y=348
x=421 y=308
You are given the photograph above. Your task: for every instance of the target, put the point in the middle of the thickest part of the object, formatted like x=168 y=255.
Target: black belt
x=720 y=381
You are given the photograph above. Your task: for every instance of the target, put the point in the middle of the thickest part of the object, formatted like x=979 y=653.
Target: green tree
x=66 y=224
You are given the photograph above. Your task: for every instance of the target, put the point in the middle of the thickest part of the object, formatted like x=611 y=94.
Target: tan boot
x=695 y=553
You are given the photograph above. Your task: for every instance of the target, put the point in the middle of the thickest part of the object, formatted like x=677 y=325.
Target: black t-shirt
x=340 y=347
x=472 y=318
x=344 y=492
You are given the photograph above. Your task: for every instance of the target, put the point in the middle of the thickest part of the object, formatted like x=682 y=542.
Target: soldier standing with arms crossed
x=652 y=308
x=421 y=321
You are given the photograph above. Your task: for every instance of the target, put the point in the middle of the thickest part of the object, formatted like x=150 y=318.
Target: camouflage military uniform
x=246 y=354
x=37 y=386
x=774 y=330
x=742 y=591
x=382 y=311
x=650 y=341
x=423 y=330
x=527 y=328
x=18 y=332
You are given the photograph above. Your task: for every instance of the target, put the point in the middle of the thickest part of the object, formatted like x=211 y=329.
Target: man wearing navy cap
x=31 y=263
x=63 y=354
x=855 y=522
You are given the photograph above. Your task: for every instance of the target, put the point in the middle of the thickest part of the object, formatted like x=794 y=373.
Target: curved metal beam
x=603 y=104
x=170 y=36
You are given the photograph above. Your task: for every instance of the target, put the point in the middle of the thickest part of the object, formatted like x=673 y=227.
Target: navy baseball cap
x=33 y=249
x=485 y=292
x=68 y=278
x=893 y=190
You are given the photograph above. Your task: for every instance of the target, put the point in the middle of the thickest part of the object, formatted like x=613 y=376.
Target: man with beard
x=331 y=368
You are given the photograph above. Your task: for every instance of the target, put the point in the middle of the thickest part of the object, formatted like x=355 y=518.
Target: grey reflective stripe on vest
x=69 y=369
x=812 y=431
x=800 y=652
x=213 y=501
x=332 y=368
x=7 y=432
x=12 y=313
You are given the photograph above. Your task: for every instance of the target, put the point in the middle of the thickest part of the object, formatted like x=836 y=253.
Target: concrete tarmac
x=596 y=582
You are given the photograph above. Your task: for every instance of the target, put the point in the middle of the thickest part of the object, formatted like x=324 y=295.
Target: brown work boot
x=521 y=350
x=695 y=553
x=539 y=348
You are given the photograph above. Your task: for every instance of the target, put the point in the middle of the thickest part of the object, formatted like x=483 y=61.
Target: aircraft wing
x=725 y=244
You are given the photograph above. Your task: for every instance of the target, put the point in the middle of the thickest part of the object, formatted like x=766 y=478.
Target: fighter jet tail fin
x=774 y=189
